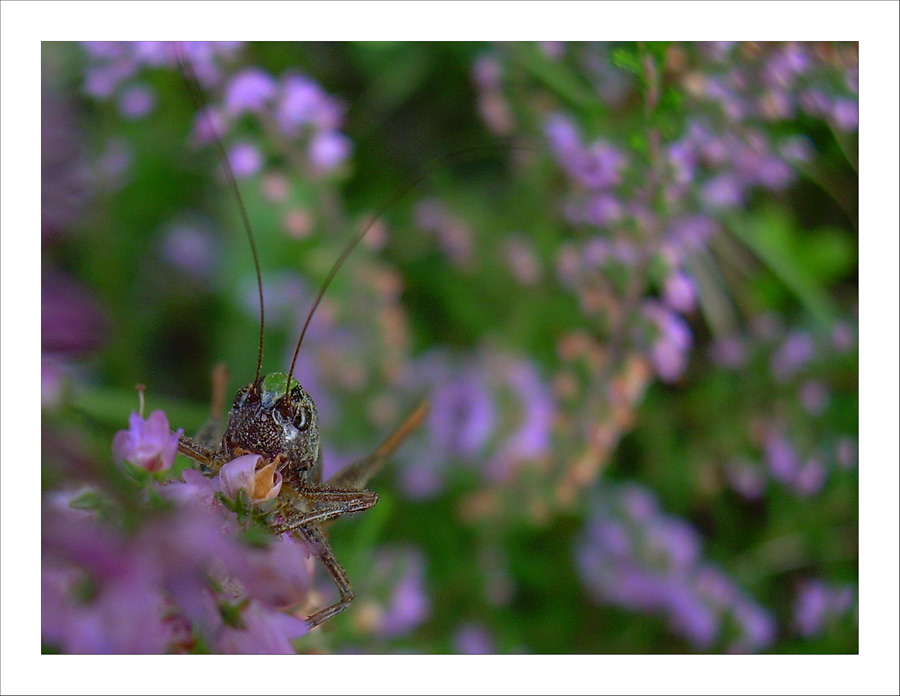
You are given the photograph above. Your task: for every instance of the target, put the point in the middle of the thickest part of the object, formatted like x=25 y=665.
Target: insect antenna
x=396 y=196
x=197 y=96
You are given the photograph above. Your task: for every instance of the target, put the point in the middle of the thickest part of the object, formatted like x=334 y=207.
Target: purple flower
x=194 y=489
x=71 y=319
x=810 y=477
x=563 y=136
x=845 y=452
x=781 y=457
x=602 y=209
x=149 y=444
x=300 y=104
x=814 y=396
x=845 y=114
x=473 y=639
x=328 y=149
x=408 y=605
x=531 y=439
x=690 y=232
x=796 y=351
x=659 y=570
x=207 y=124
x=815 y=102
x=249 y=90
x=462 y=414
x=843 y=337
x=756 y=625
x=679 y=292
x=723 y=191
x=264 y=631
x=137 y=101
x=486 y=73
x=53 y=376
x=192 y=249
x=670 y=348
x=246 y=160
x=818 y=604
x=599 y=167
x=260 y=483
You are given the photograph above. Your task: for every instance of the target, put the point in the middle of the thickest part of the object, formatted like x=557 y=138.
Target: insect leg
x=210 y=434
x=199 y=452
x=357 y=474
x=329 y=504
x=322 y=549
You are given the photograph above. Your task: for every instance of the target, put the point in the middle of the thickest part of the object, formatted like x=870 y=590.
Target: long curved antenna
x=398 y=194
x=196 y=92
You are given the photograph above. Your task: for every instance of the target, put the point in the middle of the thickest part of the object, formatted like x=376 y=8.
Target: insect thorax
x=264 y=420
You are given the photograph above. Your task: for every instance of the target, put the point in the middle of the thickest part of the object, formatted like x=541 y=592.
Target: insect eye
x=301 y=420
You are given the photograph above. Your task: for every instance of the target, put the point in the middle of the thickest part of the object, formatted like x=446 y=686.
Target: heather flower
x=328 y=149
x=304 y=103
x=670 y=347
x=148 y=444
x=245 y=159
x=261 y=631
x=845 y=452
x=136 y=101
x=723 y=191
x=53 y=379
x=810 y=477
x=781 y=457
x=191 y=248
x=814 y=396
x=250 y=90
x=473 y=639
x=679 y=292
x=462 y=414
x=632 y=555
x=260 y=483
x=408 y=605
x=72 y=322
x=845 y=114
x=531 y=439
x=64 y=174
x=818 y=604
x=796 y=351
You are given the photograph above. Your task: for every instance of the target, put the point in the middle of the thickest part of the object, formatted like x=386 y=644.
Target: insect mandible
x=274 y=417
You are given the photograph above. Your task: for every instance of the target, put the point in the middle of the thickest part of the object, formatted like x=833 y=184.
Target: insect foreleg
x=328 y=504
x=200 y=453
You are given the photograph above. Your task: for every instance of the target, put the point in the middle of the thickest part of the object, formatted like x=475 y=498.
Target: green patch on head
x=275 y=385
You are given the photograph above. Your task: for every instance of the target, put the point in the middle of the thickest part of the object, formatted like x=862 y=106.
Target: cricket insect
x=275 y=418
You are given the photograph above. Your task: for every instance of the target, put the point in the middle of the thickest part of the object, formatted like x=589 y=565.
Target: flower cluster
x=818 y=605
x=633 y=555
x=184 y=577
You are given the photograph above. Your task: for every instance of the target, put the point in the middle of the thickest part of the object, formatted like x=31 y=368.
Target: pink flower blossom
x=149 y=444
x=242 y=474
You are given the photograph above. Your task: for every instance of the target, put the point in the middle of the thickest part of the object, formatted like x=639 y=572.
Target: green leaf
x=771 y=236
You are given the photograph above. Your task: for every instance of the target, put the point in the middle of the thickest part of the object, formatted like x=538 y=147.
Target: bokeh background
x=625 y=275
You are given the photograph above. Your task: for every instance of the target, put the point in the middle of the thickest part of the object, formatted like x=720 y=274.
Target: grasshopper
x=274 y=417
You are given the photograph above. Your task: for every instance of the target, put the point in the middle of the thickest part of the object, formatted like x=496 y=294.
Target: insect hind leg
x=322 y=549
